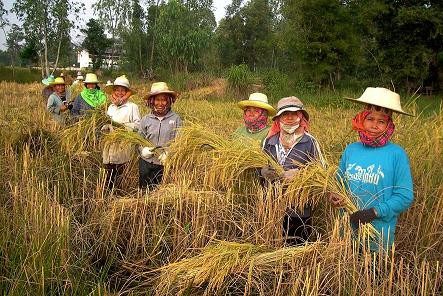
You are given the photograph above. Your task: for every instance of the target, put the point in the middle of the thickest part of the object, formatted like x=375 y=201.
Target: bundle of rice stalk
x=223 y=160
x=128 y=138
x=219 y=261
x=314 y=182
x=84 y=135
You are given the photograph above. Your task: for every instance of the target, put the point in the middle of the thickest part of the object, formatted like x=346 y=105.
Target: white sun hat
x=382 y=97
x=258 y=100
x=91 y=78
x=119 y=81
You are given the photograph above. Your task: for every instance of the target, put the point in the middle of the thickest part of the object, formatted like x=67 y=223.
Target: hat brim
x=400 y=111
x=293 y=109
x=257 y=104
x=92 y=82
x=57 y=83
x=154 y=93
x=110 y=88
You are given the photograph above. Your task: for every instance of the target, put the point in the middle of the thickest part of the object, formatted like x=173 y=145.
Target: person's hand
x=63 y=108
x=163 y=156
x=107 y=128
x=362 y=217
x=336 y=200
x=147 y=152
x=289 y=174
x=269 y=174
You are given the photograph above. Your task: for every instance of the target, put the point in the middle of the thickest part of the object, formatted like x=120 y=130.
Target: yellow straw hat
x=58 y=80
x=91 y=78
x=258 y=100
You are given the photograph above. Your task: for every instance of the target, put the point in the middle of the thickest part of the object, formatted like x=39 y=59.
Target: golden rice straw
x=84 y=135
x=314 y=181
x=223 y=160
x=125 y=137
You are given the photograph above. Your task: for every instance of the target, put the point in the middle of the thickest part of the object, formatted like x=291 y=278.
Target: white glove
x=163 y=157
x=147 y=152
x=289 y=174
x=107 y=128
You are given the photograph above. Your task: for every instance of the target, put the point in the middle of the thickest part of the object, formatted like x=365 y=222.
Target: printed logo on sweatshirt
x=355 y=172
x=171 y=122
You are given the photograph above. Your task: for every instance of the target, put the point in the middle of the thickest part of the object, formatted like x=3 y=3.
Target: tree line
x=329 y=43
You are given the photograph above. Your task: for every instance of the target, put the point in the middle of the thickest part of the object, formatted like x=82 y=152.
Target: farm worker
x=255 y=117
x=58 y=101
x=77 y=86
x=290 y=144
x=116 y=156
x=376 y=171
x=90 y=98
x=160 y=128
x=47 y=90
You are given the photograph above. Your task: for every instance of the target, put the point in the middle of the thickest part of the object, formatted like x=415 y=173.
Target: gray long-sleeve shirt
x=160 y=131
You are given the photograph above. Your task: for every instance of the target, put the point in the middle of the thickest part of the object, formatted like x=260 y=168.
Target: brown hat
x=290 y=104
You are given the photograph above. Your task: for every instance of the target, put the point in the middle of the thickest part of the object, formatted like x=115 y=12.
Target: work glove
x=163 y=156
x=362 y=217
x=107 y=128
x=269 y=173
x=289 y=174
x=147 y=152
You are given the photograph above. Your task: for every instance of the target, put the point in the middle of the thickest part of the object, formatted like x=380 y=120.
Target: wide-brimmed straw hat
x=47 y=81
x=91 y=78
x=58 y=80
x=161 y=88
x=119 y=81
x=257 y=100
x=382 y=97
x=290 y=104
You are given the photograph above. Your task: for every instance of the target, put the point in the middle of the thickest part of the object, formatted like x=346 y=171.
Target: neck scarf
x=357 y=125
x=257 y=124
x=275 y=127
x=94 y=97
x=154 y=111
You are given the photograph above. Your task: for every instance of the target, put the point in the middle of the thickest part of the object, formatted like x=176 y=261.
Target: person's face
x=161 y=103
x=290 y=117
x=90 y=85
x=59 y=88
x=375 y=123
x=119 y=93
x=253 y=113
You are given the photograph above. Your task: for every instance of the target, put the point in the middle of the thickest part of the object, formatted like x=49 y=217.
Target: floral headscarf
x=365 y=138
x=256 y=124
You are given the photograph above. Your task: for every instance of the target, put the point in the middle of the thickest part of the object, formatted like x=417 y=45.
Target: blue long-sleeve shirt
x=380 y=178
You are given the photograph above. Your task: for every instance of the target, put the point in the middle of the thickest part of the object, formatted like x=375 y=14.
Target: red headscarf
x=258 y=123
x=275 y=127
x=357 y=125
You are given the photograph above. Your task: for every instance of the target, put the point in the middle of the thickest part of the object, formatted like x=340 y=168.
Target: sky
x=219 y=12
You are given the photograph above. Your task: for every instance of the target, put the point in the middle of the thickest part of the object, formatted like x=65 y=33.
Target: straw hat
x=119 y=81
x=48 y=80
x=258 y=100
x=382 y=97
x=290 y=104
x=79 y=76
x=58 y=80
x=161 y=88
x=91 y=78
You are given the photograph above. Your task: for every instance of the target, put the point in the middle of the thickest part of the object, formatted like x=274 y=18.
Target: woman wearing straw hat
x=116 y=156
x=47 y=90
x=255 y=117
x=377 y=171
x=290 y=144
x=57 y=101
x=90 y=97
x=160 y=128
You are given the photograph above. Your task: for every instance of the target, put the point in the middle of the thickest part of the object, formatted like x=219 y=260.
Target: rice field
x=210 y=229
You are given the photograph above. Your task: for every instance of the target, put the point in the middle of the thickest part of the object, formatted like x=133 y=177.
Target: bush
x=239 y=78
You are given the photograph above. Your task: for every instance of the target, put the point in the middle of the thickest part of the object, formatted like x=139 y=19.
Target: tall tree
x=115 y=16
x=185 y=29
x=13 y=44
x=95 y=42
x=46 y=26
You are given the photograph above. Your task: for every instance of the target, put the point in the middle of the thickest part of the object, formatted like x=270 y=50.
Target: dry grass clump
x=214 y=161
x=83 y=136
